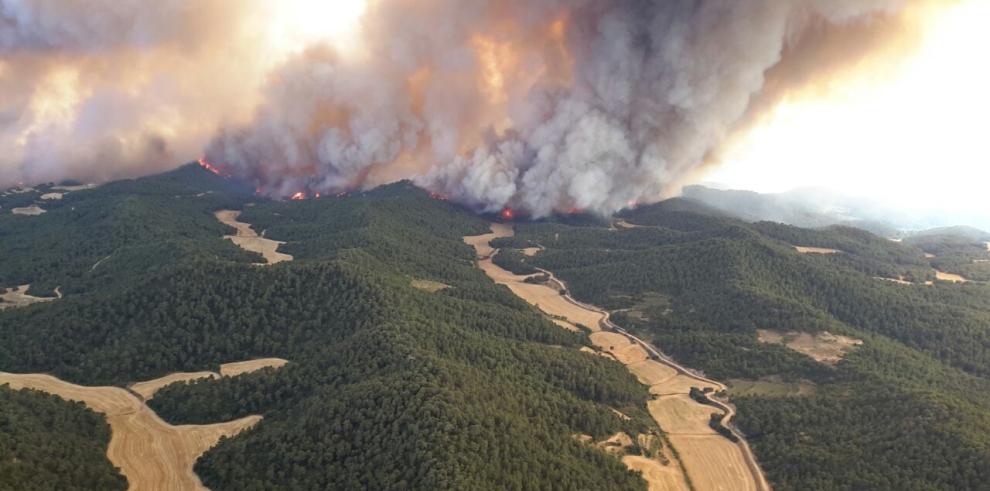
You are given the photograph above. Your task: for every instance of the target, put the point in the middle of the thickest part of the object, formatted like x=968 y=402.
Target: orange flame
x=210 y=167
x=507 y=214
x=298 y=196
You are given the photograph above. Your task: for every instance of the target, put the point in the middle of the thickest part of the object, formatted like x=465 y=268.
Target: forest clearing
x=247 y=239
x=18 y=297
x=816 y=250
x=824 y=347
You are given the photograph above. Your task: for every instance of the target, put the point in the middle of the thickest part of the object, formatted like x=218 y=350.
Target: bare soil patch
x=151 y=453
x=18 y=297
x=33 y=210
x=530 y=251
x=429 y=286
x=929 y=255
x=950 y=277
x=247 y=239
x=824 y=347
x=817 y=250
x=242 y=367
x=51 y=196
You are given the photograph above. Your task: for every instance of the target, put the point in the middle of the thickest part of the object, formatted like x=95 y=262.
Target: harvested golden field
x=714 y=463
x=824 y=347
x=679 y=414
x=680 y=384
x=148 y=388
x=18 y=297
x=428 y=285
x=622 y=348
x=817 y=250
x=650 y=372
x=151 y=453
x=249 y=240
x=241 y=367
x=658 y=476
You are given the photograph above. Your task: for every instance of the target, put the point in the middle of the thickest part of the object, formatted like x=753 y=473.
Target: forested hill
x=390 y=385
x=905 y=409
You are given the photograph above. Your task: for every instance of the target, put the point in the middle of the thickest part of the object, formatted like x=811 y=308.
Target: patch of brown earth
x=680 y=384
x=247 y=239
x=18 y=297
x=824 y=347
x=950 y=277
x=33 y=210
x=817 y=250
x=530 y=251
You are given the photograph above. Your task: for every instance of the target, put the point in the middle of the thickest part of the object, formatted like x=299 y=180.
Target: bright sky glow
x=917 y=140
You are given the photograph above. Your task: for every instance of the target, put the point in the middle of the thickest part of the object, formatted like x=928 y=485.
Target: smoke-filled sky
x=538 y=105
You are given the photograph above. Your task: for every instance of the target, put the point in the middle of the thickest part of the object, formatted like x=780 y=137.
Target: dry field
x=954 y=278
x=680 y=384
x=241 y=367
x=51 y=196
x=712 y=461
x=33 y=210
x=530 y=251
x=659 y=477
x=428 y=285
x=249 y=240
x=18 y=297
x=824 y=347
x=816 y=250
x=151 y=453
x=148 y=389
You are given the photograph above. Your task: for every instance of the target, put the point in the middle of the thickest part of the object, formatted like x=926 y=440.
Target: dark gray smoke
x=598 y=103
x=539 y=105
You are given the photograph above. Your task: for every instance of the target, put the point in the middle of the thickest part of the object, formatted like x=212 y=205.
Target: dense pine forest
x=47 y=443
x=388 y=386
x=465 y=386
x=907 y=409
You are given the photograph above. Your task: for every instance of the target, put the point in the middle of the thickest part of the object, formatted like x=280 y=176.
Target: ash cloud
x=538 y=105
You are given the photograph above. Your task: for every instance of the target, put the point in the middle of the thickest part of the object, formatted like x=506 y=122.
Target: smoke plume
x=537 y=105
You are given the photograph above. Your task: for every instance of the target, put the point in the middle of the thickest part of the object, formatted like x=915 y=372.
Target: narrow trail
x=151 y=453
x=712 y=461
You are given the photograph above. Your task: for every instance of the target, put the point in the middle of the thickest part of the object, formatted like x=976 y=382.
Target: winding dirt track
x=712 y=461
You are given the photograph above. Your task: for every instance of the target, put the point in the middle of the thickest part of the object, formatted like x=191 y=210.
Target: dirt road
x=713 y=462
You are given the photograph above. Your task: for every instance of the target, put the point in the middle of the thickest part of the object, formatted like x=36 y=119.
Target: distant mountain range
x=816 y=207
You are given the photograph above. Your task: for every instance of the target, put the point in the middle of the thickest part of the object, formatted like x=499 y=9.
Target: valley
x=709 y=460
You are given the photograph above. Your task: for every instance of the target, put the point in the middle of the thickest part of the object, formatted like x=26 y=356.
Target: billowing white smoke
x=539 y=105
x=615 y=103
